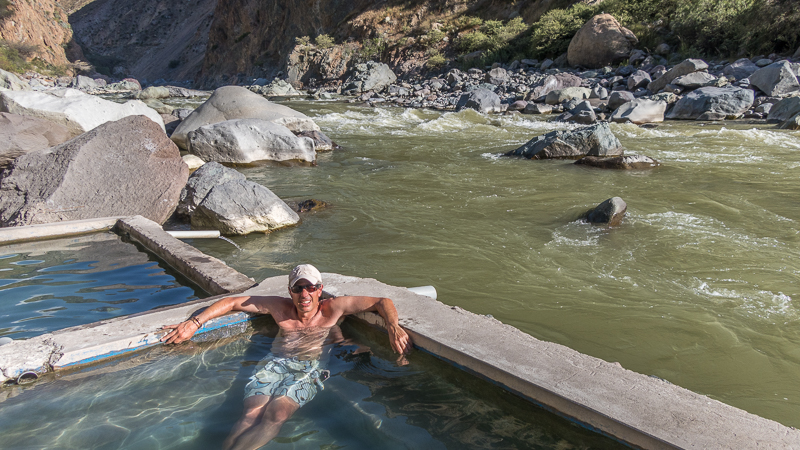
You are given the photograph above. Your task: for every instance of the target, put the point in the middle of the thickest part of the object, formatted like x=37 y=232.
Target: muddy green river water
x=698 y=286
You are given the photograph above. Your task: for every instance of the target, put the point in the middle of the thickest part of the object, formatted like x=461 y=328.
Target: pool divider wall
x=10 y=235
x=633 y=408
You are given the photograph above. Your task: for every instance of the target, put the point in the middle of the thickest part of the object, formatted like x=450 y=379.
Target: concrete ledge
x=211 y=274
x=11 y=235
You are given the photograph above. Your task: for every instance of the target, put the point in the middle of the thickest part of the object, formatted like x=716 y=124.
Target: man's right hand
x=179 y=333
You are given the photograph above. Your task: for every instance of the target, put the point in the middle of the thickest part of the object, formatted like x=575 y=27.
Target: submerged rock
x=310 y=205
x=120 y=168
x=629 y=162
x=610 y=212
x=595 y=140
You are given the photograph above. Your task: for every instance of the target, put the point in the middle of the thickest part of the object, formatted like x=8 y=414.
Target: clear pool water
x=189 y=396
x=53 y=284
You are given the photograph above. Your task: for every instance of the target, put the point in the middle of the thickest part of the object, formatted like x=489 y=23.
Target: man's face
x=304 y=300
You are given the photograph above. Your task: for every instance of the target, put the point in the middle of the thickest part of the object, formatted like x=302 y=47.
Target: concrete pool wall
x=633 y=408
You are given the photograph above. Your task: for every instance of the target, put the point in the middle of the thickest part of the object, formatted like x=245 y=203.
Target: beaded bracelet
x=196 y=322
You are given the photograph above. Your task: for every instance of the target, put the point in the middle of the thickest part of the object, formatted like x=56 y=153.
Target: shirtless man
x=288 y=378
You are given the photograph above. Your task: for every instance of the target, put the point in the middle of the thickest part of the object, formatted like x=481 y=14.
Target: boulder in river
x=594 y=140
x=640 y=111
x=784 y=109
x=20 y=135
x=628 y=162
x=120 y=168
x=243 y=207
x=322 y=143
x=278 y=87
x=537 y=108
x=201 y=182
x=775 y=79
x=78 y=111
x=684 y=68
x=610 y=212
x=243 y=141
x=600 y=42
x=741 y=68
x=713 y=103
x=481 y=100
x=235 y=102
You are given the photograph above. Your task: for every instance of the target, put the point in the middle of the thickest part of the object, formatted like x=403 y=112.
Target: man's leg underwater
x=261 y=421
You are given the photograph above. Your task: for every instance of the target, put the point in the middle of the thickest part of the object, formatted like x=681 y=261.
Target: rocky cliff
x=145 y=39
x=39 y=23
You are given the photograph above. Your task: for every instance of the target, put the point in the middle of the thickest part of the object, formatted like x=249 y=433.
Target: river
x=697 y=286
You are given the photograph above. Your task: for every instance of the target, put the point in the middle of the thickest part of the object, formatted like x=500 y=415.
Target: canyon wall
x=40 y=23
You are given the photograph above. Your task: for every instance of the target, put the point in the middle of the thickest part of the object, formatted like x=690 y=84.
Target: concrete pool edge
x=630 y=407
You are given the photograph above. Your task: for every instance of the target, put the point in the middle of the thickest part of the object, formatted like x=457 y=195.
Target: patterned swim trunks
x=290 y=377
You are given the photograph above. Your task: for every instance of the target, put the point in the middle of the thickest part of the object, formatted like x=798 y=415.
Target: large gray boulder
x=792 y=124
x=120 y=168
x=684 y=68
x=595 y=140
x=244 y=141
x=370 y=76
x=11 y=82
x=628 y=162
x=713 y=103
x=84 y=83
x=741 y=68
x=201 y=182
x=640 y=111
x=78 y=111
x=552 y=82
x=481 y=100
x=775 y=79
x=583 y=113
x=20 y=135
x=235 y=102
x=600 y=42
x=243 y=207
x=784 y=109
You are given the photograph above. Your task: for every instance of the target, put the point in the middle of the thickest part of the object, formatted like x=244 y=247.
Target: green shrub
x=467 y=22
x=433 y=37
x=303 y=41
x=493 y=35
x=435 y=60
x=551 y=35
x=373 y=48
x=324 y=41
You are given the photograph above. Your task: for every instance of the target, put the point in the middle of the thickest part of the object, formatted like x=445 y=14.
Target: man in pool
x=289 y=376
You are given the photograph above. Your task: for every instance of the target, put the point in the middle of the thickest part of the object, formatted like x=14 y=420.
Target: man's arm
x=186 y=329
x=401 y=342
